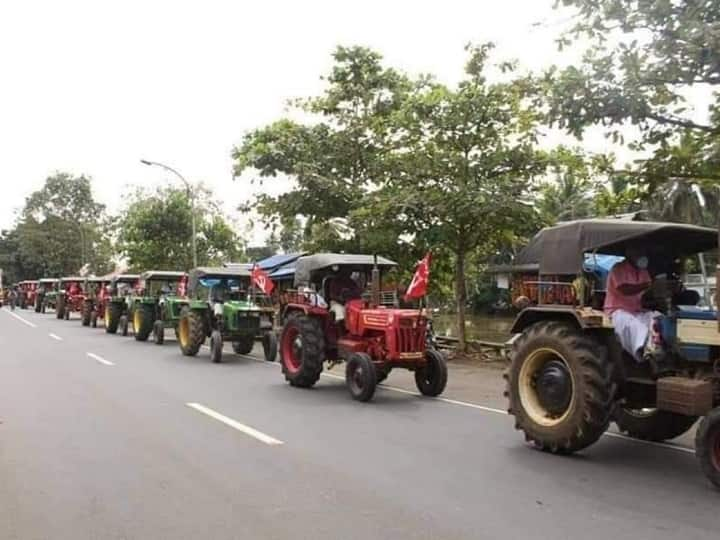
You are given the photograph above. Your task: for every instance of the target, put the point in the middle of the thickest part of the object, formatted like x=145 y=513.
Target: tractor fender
x=305 y=309
x=582 y=318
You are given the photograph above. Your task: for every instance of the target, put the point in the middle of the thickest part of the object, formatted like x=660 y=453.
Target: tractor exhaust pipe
x=375 y=283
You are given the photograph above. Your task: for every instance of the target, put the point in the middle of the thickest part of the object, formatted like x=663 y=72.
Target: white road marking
x=19 y=318
x=247 y=430
x=56 y=337
x=100 y=359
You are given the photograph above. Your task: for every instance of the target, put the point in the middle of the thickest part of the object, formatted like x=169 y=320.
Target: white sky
x=90 y=88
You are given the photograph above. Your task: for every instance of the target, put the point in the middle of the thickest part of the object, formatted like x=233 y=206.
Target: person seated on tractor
x=627 y=282
x=341 y=288
x=74 y=289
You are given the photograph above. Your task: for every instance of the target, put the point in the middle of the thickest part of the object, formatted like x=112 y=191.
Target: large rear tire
x=60 y=306
x=431 y=379
x=191 y=332
x=86 y=314
x=707 y=446
x=244 y=345
x=38 y=304
x=302 y=350
x=143 y=319
x=559 y=387
x=361 y=377
x=652 y=424
x=113 y=311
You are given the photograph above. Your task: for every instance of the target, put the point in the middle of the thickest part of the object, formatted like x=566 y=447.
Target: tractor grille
x=410 y=340
x=246 y=321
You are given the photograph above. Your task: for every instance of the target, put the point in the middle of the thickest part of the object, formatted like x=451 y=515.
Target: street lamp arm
x=168 y=168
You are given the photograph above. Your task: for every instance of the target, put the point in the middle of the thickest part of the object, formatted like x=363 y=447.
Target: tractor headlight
x=217 y=309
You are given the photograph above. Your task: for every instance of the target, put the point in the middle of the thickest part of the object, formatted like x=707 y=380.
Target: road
x=105 y=437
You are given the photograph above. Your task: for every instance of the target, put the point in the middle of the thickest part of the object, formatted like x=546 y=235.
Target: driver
x=342 y=288
x=626 y=283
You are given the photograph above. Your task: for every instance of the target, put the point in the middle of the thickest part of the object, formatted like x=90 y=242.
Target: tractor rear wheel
x=302 y=350
x=652 y=424
x=707 y=446
x=244 y=345
x=60 y=306
x=270 y=346
x=86 y=314
x=559 y=386
x=216 y=346
x=38 y=304
x=143 y=319
x=431 y=378
x=112 y=317
x=361 y=376
x=191 y=332
x=159 y=332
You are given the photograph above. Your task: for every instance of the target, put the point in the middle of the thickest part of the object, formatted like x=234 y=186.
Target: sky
x=91 y=87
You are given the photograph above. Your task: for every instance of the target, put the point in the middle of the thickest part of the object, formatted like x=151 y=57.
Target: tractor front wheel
x=159 y=332
x=707 y=446
x=143 y=322
x=93 y=318
x=66 y=315
x=652 y=424
x=86 y=313
x=60 y=306
x=559 y=387
x=216 y=346
x=302 y=350
x=244 y=345
x=123 y=325
x=190 y=332
x=270 y=346
x=431 y=378
x=361 y=376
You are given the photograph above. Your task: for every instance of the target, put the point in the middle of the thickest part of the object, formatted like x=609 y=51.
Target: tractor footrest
x=681 y=395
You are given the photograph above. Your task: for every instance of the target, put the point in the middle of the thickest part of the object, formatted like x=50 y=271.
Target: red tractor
x=27 y=291
x=71 y=296
x=335 y=316
x=96 y=293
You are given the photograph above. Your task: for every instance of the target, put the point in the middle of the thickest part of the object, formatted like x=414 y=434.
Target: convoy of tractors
x=568 y=379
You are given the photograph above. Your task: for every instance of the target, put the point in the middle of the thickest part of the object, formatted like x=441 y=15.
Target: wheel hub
x=553 y=385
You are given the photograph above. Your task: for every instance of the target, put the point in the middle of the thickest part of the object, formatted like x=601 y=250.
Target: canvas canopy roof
x=306 y=266
x=209 y=272
x=99 y=279
x=162 y=275
x=48 y=280
x=561 y=249
x=73 y=278
x=125 y=278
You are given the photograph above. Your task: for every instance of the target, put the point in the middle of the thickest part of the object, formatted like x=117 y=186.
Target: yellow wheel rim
x=183 y=332
x=137 y=320
x=107 y=316
x=526 y=387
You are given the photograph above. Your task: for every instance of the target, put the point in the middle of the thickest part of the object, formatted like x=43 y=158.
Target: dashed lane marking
x=247 y=430
x=100 y=359
x=19 y=318
x=55 y=337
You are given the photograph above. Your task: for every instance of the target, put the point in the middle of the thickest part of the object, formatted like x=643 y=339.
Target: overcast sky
x=91 y=89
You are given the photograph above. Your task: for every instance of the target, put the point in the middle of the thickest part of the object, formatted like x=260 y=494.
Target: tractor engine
x=395 y=335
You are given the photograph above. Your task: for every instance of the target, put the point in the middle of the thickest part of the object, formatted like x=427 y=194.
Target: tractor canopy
x=309 y=269
x=562 y=249
x=72 y=279
x=206 y=276
x=124 y=278
x=162 y=275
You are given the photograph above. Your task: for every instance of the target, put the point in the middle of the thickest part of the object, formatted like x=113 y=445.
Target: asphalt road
x=105 y=437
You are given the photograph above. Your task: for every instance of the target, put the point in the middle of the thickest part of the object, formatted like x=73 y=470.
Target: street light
x=191 y=193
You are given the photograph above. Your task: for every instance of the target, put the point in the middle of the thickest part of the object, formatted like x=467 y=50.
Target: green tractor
x=116 y=302
x=571 y=375
x=224 y=306
x=158 y=305
x=47 y=294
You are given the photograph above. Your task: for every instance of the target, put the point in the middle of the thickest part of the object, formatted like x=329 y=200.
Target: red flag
x=262 y=280
x=419 y=284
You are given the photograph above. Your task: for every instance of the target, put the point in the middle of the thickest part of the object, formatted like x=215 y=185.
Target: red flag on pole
x=262 y=280
x=419 y=284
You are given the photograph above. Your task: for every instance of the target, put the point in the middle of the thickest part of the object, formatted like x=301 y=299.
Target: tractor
x=26 y=293
x=47 y=294
x=224 y=306
x=339 y=313
x=71 y=296
x=157 y=304
x=94 y=306
x=569 y=375
x=116 y=301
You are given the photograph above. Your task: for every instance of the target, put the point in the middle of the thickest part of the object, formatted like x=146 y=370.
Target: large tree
x=647 y=64
x=155 y=231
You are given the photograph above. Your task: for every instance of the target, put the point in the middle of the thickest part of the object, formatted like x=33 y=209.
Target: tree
x=648 y=61
x=156 y=231
x=462 y=166
x=60 y=230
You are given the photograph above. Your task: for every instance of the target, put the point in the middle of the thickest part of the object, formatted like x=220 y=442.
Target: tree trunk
x=460 y=296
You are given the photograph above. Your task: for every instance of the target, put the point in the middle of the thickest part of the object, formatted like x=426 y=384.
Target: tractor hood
x=561 y=249
x=305 y=266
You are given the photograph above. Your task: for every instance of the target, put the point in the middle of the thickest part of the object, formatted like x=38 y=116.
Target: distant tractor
x=27 y=291
x=157 y=304
x=116 y=301
x=336 y=315
x=94 y=306
x=47 y=294
x=71 y=296
x=223 y=306
x=569 y=376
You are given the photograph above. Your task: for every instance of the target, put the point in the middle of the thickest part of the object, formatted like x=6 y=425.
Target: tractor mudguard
x=584 y=318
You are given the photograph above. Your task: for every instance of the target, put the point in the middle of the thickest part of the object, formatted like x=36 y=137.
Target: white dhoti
x=338 y=309
x=633 y=330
